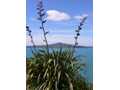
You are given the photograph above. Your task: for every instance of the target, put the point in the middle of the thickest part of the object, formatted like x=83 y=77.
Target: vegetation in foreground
x=58 y=70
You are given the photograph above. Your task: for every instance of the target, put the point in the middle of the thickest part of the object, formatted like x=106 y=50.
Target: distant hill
x=57 y=45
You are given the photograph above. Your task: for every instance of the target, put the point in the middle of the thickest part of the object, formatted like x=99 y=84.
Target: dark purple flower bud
x=41 y=15
x=44 y=21
x=46 y=33
x=38 y=8
x=27 y=27
x=81 y=24
x=78 y=34
x=41 y=27
x=41 y=10
x=29 y=31
x=79 y=28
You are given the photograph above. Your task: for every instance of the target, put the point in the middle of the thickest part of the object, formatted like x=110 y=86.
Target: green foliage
x=58 y=70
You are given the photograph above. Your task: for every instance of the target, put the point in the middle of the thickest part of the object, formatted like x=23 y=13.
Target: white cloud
x=55 y=15
x=78 y=17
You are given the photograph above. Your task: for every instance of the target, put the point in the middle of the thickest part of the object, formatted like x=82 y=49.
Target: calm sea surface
x=86 y=54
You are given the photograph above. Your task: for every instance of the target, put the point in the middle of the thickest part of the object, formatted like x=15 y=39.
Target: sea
x=86 y=55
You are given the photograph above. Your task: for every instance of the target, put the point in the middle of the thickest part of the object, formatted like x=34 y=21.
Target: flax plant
x=31 y=40
x=82 y=20
x=57 y=69
x=41 y=18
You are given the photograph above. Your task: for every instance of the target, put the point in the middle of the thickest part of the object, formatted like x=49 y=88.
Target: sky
x=63 y=18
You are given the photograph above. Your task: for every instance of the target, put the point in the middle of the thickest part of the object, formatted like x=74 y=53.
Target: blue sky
x=63 y=17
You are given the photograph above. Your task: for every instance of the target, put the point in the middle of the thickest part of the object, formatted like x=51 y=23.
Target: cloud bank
x=54 y=15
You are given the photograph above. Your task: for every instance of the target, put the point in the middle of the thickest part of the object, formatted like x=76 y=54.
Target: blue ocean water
x=85 y=53
x=88 y=56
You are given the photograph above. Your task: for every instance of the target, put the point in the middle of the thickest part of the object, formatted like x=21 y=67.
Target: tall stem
x=41 y=14
x=32 y=41
x=45 y=37
x=84 y=17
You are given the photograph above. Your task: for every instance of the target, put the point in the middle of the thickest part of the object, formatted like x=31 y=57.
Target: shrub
x=58 y=70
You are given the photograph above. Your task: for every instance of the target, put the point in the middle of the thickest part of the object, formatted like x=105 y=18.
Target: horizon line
x=62 y=43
